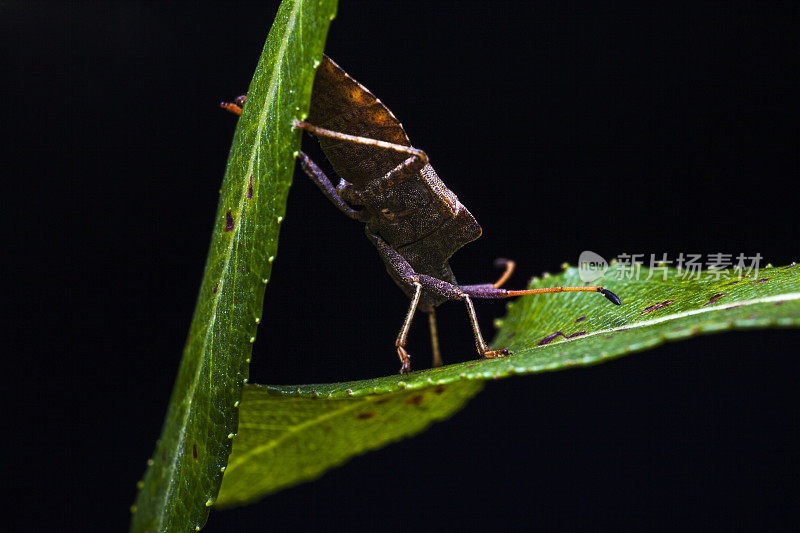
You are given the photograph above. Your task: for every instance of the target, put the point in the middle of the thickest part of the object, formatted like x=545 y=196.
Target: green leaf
x=293 y=433
x=184 y=474
x=284 y=440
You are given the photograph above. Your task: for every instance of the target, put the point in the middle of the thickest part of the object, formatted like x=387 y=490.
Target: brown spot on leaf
x=228 y=221
x=194 y=451
x=216 y=288
x=657 y=306
x=581 y=319
x=549 y=338
x=554 y=336
x=415 y=400
x=250 y=188
x=382 y=401
x=440 y=389
x=366 y=415
x=778 y=303
x=762 y=280
x=714 y=299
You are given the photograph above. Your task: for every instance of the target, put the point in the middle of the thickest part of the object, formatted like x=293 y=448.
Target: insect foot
x=492 y=354
x=405 y=360
x=234 y=107
x=610 y=295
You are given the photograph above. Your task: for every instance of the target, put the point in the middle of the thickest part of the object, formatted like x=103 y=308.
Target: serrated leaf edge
x=204 y=360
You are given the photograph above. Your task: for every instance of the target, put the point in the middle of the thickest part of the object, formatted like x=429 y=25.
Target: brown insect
x=411 y=217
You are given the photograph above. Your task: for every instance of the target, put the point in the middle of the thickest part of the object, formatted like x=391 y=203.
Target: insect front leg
x=236 y=106
x=322 y=132
x=410 y=166
x=325 y=185
x=309 y=167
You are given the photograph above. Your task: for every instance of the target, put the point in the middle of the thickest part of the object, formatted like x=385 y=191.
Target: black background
x=562 y=126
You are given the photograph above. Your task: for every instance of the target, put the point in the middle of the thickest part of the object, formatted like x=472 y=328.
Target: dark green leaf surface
x=290 y=434
x=284 y=440
x=184 y=474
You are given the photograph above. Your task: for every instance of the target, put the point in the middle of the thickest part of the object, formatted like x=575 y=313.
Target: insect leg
x=405 y=358
x=236 y=106
x=500 y=262
x=414 y=163
x=309 y=167
x=454 y=292
x=613 y=298
x=480 y=344
x=398 y=174
x=437 y=355
x=325 y=185
x=322 y=132
x=487 y=291
x=467 y=292
x=509 y=266
x=400 y=268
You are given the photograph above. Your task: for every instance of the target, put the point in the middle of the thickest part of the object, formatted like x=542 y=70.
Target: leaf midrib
x=683 y=314
x=296 y=429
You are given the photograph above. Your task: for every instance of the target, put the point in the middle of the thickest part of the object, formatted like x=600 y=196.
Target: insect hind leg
x=500 y=262
x=454 y=292
x=509 y=266
x=480 y=344
x=489 y=292
x=437 y=354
